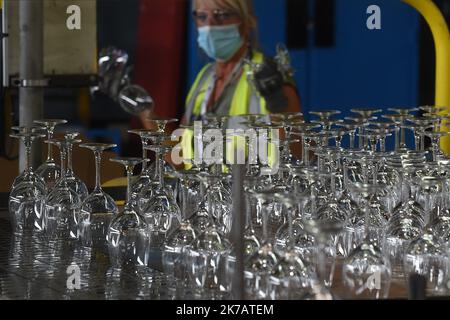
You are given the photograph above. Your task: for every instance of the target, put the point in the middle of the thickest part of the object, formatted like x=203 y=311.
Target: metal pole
x=237 y=232
x=31 y=99
x=5 y=31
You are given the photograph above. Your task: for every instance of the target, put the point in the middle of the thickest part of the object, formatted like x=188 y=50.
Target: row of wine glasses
x=331 y=222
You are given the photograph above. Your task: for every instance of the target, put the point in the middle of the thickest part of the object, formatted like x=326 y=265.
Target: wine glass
x=26 y=197
x=49 y=170
x=365 y=114
x=291 y=277
x=207 y=263
x=160 y=210
x=62 y=203
x=174 y=250
x=259 y=266
x=366 y=271
x=29 y=173
x=161 y=123
x=147 y=172
x=98 y=208
x=73 y=182
x=128 y=234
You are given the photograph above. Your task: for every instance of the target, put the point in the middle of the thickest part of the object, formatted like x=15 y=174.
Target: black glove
x=269 y=82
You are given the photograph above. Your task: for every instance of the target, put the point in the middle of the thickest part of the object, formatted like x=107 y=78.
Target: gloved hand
x=269 y=82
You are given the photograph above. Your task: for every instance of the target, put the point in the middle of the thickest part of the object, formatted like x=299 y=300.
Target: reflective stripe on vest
x=245 y=101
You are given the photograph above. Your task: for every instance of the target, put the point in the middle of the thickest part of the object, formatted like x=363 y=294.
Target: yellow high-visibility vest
x=244 y=97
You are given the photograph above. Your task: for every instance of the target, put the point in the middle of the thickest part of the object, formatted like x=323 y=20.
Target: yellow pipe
x=441 y=36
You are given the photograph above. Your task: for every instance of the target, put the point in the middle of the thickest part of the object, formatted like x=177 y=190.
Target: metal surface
x=34 y=83
x=31 y=100
x=32 y=268
x=5 y=44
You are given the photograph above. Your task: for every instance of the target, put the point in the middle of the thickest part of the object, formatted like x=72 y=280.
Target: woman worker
x=227 y=34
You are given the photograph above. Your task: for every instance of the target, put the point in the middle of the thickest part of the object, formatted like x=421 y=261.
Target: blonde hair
x=244 y=9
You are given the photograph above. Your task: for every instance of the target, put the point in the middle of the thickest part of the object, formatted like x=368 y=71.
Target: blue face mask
x=220 y=42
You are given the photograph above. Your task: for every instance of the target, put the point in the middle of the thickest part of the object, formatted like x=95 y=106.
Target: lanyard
x=212 y=82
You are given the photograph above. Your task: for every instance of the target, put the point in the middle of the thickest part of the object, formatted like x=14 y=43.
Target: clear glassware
x=422 y=125
x=161 y=210
x=174 y=250
x=145 y=177
x=291 y=278
x=207 y=263
x=70 y=178
x=27 y=174
x=128 y=234
x=399 y=121
x=426 y=255
x=62 y=204
x=161 y=123
x=325 y=232
x=259 y=266
x=49 y=170
x=436 y=142
x=366 y=271
x=134 y=99
x=406 y=224
x=98 y=209
x=218 y=199
x=365 y=115
x=26 y=197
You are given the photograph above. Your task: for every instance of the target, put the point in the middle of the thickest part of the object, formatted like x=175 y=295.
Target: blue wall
x=365 y=68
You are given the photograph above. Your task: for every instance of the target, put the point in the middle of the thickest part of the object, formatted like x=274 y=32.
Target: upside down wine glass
x=70 y=178
x=98 y=208
x=160 y=211
x=128 y=235
x=366 y=271
x=26 y=197
x=62 y=203
x=49 y=170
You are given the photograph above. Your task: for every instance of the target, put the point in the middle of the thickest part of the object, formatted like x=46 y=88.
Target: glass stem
x=306 y=153
x=373 y=142
x=383 y=144
x=28 y=143
x=69 y=159
x=352 y=139
x=50 y=146
x=184 y=195
x=159 y=165
x=360 y=137
x=402 y=136
x=401 y=186
x=397 y=138
x=98 y=160
x=291 y=234
x=313 y=200
x=366 y=216
x=417 y=140
x=129 y=169
x=333 y=177
x=144 y=155
x=345 y=173
x=422 y=141
x=375 y=172
x=63 y=160
x=435 y=148
x=264 y=222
